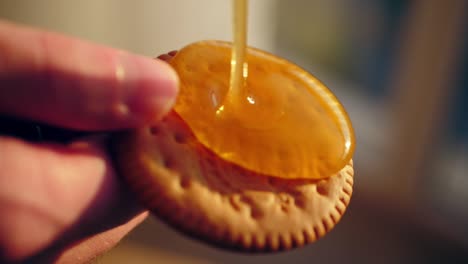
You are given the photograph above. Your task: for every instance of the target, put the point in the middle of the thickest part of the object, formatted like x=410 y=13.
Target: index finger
x=71 y=83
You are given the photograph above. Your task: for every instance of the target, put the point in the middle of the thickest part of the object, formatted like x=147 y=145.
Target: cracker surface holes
x=222 y=204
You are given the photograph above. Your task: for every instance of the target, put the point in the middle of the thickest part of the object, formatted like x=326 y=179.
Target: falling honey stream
x=259 y=111
x=239 y=65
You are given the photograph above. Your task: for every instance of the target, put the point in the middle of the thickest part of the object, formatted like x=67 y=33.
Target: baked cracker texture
x=201 y=195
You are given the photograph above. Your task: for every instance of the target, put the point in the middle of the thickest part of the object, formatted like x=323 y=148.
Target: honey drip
x=239 y=66
x=240 y=102
x=261 y=112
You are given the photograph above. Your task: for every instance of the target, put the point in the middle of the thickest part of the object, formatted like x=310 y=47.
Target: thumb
x=75 y=84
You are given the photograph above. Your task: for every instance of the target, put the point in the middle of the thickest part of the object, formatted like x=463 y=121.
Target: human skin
x=64 y=202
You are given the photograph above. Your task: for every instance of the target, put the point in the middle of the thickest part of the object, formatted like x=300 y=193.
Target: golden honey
x=261 y=112
x=288 y=124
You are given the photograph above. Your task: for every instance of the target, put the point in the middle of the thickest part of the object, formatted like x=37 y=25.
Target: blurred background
x=399 y=67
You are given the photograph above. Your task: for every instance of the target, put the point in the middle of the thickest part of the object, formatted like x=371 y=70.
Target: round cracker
x=196 y=192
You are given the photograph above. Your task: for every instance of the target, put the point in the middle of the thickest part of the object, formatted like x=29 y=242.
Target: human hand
x=64 y=202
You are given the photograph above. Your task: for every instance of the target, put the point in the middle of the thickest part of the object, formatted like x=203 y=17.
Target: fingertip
x=154 y=92
x=75 y=84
